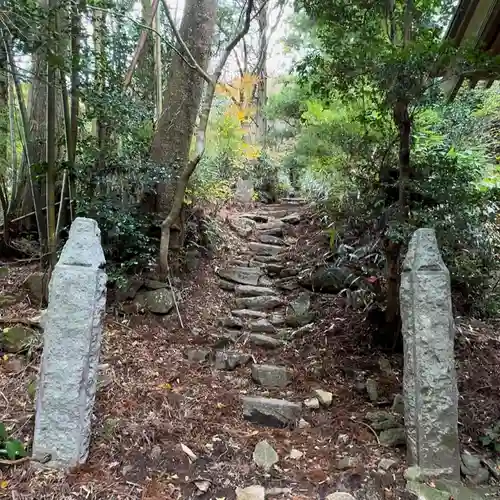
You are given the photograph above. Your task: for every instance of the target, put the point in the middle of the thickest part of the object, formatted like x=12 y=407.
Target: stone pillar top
x=423 y=252
x=83 y=247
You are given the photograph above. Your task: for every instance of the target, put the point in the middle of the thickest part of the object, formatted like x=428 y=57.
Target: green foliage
x=9 y=447
x=491 y=438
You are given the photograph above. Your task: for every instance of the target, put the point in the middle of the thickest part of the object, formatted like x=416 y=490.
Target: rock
x=311 y=403
x=393 y=437
x=198 y=355
x=295 y=454
x=248 y=313
x=242 y=226
x=347 y=463
x=287 y=284
x=270 y=412
x=230 y=360
x=398 y=405
x=289 y=272
x=251 y=493
x=264 y=455
x=386 y=464
x=155 y=284
x=253 y=291
x=244 y=276
x=492 y=467
x=256 y=217
x=277 y=319
x=266 y=259
x=36 y=284
x=303 y=424
x=264 y=249
x=159 y=301
x=272 y=225
x=277 y=230
x=273 y=268
x=339 y=495
x=470 y=464
x=371 y=389
x=429 y=381
x=328 y=279
x=231 y=322
x=262 y=340
x=229 y=286
x=244 y=191
x=325 y=398
x=270 y=375
x=444 y=490
x=298 y=313
x=16 y=338
x=226 y=338
x=385 y=366
x=261 y=303
x=294 y=218
x=239 y=263
x=261 y=326
x=481 y=477
x=128 y=290
x=271 y=240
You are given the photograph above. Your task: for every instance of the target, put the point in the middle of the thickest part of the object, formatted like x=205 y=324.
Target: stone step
x=248 y=313
x=230 y=360
x=294 y=201
x=271 y=240
x=294 y=218
x=265 y=259
x=261 y=325
x=256 y=217
x=266 y=341
x=287 y=283
x=264 y=249
x=278 y=413
x=253 y=291
x=271 y=375
x=231 y=322
x=244 y=276
x=270 y=226
x=262 y=303
x=227 y=285
x=273 y=231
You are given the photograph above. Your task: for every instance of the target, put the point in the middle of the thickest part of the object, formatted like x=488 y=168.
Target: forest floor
x=153 y=402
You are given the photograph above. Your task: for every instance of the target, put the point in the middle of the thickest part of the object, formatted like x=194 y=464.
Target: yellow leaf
x=4 y=484
x=166 y=386
x=5 y=357
x=220 y=405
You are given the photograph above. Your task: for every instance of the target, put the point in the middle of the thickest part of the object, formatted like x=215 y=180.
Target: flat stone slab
x=230 y=360
x=262 y=303
x=244 y=276
x=261 y=325
x=255 y=217
x=248 y=313
x=278 y=413
x=263 y=340
x=253 y=291
x=264 y=249
x=271 y=375
x=291 y=219
x=266 y=259
x=271 y=240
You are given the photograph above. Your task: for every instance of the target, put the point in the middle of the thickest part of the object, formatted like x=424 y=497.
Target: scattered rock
x=324 y=397
x=303 y=424
x=264 y=249
x=36 y=285
x=311 y=403
x=264 y=455
x=277 y=413
x=230 y=360
x=244 y=276
x=262 y=303
x=16 y=339
x=347 y=463
x=253 y=291
x=298 y=313
x=371 y=389
x=393 y=437
x=339 y=495
x=251 y=493
x=386 y=464
x=231 y=322
x=470 y=464
x=262 y=340
x=270 y=375
x=156 y=301
x=398 y=405
x=198 y=355
x=296 y=454
x=248 y=313
x=481 y=477
x=261 y=326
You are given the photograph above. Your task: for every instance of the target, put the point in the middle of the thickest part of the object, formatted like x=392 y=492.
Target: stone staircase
x=267 y=306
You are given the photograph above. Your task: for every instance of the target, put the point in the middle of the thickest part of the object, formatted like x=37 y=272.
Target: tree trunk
x=181 y=102
x=4 y=137
x=261 y=91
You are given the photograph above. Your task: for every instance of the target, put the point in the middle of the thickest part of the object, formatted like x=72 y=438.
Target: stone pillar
x=71 y=345
x=430 y=385
x=244 y=191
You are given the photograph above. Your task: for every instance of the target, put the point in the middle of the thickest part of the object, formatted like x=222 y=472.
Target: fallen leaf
x=188 y=452
x=203 y=485
x=4 y=484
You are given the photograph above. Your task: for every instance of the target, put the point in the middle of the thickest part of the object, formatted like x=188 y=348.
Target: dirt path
x=180 y=411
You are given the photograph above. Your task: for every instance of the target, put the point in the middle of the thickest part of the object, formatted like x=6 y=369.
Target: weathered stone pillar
x=71 y=345
x=430 y=385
